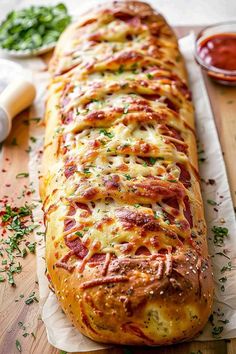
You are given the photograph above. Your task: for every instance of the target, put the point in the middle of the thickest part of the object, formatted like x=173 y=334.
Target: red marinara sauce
x=219 y=51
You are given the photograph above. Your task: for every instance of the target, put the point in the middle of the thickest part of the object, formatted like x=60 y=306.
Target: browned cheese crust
x=126 y=246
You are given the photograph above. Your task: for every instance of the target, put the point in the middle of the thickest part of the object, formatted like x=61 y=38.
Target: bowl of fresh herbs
x=33 y=30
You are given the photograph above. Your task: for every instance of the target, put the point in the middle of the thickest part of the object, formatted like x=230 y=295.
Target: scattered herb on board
x=33 y=27
x=228 y=266
x=219 y=235
x=211 y=202
x=216 y=331
x=18 y=346
x=22 y=175
x=31 y=298
x=16 y=224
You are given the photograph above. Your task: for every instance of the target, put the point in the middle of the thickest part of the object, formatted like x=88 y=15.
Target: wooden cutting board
x=14 y=311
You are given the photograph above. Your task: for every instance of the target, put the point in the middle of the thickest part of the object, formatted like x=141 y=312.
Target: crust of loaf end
x=122 y=296
x=143 y=302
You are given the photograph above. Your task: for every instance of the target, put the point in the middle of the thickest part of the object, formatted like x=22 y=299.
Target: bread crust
x=126 y=247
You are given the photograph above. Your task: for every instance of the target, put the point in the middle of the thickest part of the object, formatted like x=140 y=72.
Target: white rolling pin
x=17 y=96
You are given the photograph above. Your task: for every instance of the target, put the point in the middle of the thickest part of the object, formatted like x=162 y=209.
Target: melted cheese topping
x=124 y=126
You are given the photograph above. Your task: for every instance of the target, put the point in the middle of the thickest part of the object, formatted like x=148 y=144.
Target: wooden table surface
x=13 y=310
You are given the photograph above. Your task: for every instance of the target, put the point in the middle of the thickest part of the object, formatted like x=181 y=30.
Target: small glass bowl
x=225 y=77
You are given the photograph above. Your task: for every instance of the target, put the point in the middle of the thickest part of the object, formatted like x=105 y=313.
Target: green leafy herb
x=86 y=171
x=18 y=346
x=78 y=233
x=31 y=247
x=106 y=133
x=22 y=175
x=2 y=279
x=128 y=177
x=152 y=160
x=219 y=234
x=33 y=27
x=216 y=331
x=149 y=76
x=33 y=139
x=14 y=141
x=211 y=202
x=226 y=267
x=32 y=298
x=121 y=69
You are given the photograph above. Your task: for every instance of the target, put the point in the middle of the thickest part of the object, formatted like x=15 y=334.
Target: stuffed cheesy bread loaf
x=126 y=246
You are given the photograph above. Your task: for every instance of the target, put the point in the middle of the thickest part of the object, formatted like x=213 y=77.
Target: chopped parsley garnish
x=226 y=267
x=78 y=233
x=128 y=177
x=86 y=171
x=14 y=142
x=216 y=331
x=33 y=139
x=106 y=133
x=121 y=69
x=31 y=247
x=211 y=202
x=32 y=298
x=152 y=160
x=137 y=205
x=22 y=175
x=149 y=76
x=18 y=346
x=219 y=234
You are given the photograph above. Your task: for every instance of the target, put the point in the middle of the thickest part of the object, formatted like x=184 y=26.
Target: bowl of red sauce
x=215 y=52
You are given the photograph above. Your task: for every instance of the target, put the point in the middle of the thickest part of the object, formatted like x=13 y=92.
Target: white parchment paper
x=60 y=332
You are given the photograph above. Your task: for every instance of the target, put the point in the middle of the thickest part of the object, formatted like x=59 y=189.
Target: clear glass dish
x=226 y=77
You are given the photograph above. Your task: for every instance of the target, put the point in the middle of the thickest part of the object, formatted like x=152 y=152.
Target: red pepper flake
x=3 y=170
x=8 y=185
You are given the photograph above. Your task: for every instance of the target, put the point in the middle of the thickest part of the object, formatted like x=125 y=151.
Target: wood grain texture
x=12 y=312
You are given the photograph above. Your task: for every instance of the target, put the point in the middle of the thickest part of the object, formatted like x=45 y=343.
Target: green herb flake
x=152 y=160
x=106 y=133
x=219 y=235
x=86 y=171
x=211 y=202
x=32 y=298
x=216 y=331
x=149 y=76
x=31 y=247
x=78 y=233
x=14 y=142
x=22 y=175
x=33 y=139
x=18 y=346
x=228 y=267
x=2 y=279
x=128 y=177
